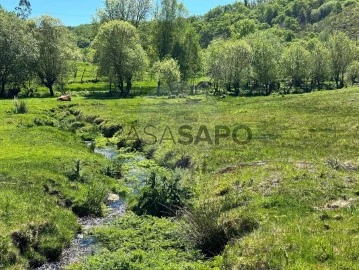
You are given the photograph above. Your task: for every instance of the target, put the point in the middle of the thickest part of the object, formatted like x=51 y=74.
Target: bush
x=108 y=130
x=19 y=107
x=353 y=72
x=93 y=204
x=210 y=232
x=161 y=196
x=185 y=162
x=33 y=243
x=7 y=256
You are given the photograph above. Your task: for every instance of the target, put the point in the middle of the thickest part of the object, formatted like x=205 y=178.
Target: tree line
x=129 y=44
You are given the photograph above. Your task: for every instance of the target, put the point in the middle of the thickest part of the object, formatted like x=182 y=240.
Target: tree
x=342 y=51
x=167 y=71
x=18 y=49
x=133 y=11
x=238 y=58
x=56 y=51
x=295 y=62
x=119 y=53
x=23 y=9
x=226 y=61
x=320 y=68
x=169 y=23
x=214 y=62
x=266 y=54
x=353 y=72
x=187 y=53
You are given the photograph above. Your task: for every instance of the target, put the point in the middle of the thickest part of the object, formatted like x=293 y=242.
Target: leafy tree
x=320 y=68
x=187 y=53
x=18 y=51
x=353 y=72
x=214 y=63
x=238 y=59
x=167 y=71
x=134 y=11
x=226 y=61
x=295 y=62
x=244 y=27
x=119 y=53
x=266 y=54
x=168 y=26
x=342 y=51
x=56 y=52
x=23 y=10
x=85 y=34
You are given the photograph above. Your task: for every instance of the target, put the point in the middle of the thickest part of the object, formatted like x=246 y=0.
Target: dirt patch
x=305 y=166
x=267 y=187
x=241 y=165
x=338 y=204
x=341 y=166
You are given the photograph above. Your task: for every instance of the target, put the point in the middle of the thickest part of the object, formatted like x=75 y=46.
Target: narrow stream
x=84 y=244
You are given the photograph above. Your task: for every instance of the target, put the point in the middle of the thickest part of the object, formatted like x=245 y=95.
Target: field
x=297 y=178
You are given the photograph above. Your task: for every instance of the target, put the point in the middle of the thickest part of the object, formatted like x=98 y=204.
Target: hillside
x=346 y=21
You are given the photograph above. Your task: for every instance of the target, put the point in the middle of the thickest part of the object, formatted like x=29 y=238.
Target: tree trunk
x=158 y=88
x=51 y=89
x=2 y=90
x=120 y=85
x=128 y=86
x=236 y=88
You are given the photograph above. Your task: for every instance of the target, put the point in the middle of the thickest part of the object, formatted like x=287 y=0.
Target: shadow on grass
x=135 y=92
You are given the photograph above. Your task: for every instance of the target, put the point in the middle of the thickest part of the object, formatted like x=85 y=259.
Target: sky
x=76 y=12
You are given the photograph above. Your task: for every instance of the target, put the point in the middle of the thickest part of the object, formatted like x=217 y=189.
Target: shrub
x=184 y=162
x=210 y=232
x=353 y=72
x=93 y=204
x=33 y=243
x=161 y=196
x=108 y=130
x=19 y=107
x=7 y=256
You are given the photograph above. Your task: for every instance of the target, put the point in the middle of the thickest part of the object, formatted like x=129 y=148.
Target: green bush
x=210 y=231
x=93 y=204
x=7 y=255
x=19 y=107
x=34 y=243
x=162 y=196
x=108 y=130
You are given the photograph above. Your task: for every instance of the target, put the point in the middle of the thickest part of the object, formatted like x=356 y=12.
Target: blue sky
x=75 y=12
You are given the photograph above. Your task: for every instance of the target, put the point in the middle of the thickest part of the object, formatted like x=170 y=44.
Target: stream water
x=84 y=244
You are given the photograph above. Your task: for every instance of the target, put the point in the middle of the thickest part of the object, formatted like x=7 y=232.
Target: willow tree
x=57 y=51
x=167 y=71
x=18 y=49
x=294 y=63
x=266 y=54
x=342 y=52
x=119 y=54
x=226 y=62
x=133 y=11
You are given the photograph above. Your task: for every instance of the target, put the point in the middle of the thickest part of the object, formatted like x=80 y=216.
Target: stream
x=84 y=244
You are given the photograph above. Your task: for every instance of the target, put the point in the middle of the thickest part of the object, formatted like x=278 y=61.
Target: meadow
x=296 y=179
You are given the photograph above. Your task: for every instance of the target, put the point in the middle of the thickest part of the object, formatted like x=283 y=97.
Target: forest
x=249 y=48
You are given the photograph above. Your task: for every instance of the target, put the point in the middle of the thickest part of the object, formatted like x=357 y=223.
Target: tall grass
x=20 y=107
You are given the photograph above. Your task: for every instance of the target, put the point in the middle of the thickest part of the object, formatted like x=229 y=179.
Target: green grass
x=294 y=136
x=302 y=159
